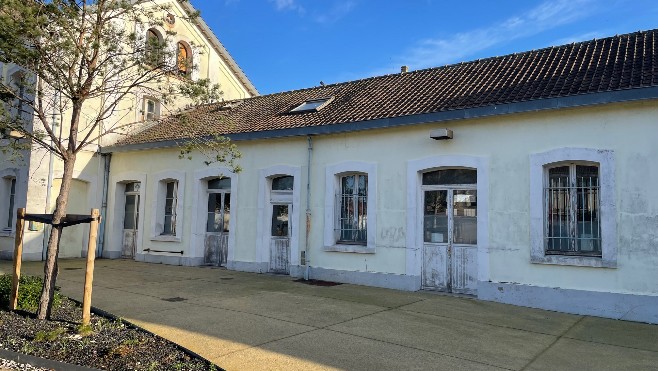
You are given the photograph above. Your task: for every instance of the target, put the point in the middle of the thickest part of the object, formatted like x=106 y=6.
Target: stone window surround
x=119 y=181
x=200 y=215
x=606 y=162
x=414 y=238
x=332 y=185
x=265 y=177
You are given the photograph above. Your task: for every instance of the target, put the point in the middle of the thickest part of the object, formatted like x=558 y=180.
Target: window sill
x=165 y=238
x=359 y=249
x=576 y=261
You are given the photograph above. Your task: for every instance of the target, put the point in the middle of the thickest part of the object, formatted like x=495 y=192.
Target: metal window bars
x=352 y=205
x=572 y=205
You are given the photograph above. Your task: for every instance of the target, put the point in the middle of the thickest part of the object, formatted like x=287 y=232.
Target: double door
x=450 y=239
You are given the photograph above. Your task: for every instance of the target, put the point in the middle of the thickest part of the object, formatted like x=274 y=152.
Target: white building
x=525 y=179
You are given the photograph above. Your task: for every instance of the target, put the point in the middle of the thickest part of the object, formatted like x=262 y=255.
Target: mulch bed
x=112 y=344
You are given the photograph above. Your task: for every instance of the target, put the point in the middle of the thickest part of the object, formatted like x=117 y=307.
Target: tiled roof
x=611 y=64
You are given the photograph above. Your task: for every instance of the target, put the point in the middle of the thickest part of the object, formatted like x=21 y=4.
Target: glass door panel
x=279 y=220
x=465 y=217
x=435 y=223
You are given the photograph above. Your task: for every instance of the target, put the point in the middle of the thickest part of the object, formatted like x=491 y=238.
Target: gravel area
x=9 y=365
x=111 y=345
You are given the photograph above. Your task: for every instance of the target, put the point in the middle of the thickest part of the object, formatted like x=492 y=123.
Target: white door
x=218 y=222
x=281 y=224
x=130 y=218
x=280 y=239
x=449 y=205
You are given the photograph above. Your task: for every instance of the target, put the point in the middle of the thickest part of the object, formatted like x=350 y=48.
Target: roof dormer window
x=313 y=105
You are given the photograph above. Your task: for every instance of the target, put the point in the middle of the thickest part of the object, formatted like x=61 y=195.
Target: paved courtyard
x=245 y=321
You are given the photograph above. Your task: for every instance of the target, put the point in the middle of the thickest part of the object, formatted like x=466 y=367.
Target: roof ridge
x=594 y=66
x=456 y=64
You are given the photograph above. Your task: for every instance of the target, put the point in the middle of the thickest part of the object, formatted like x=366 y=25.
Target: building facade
x=525 y=179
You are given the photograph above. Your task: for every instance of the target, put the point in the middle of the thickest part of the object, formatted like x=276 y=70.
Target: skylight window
x=313 y=105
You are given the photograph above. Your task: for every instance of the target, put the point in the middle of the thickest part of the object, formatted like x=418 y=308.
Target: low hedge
x=29 y=292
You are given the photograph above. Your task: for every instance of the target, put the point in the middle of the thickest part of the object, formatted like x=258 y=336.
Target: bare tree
x=82 y=61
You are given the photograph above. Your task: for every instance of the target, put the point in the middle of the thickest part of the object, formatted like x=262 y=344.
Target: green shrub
x=52 y=335
x=29 y=292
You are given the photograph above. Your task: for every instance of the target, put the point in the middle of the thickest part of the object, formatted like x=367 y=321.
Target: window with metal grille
x=171 y=200
x=572 y=210
x=352 y=204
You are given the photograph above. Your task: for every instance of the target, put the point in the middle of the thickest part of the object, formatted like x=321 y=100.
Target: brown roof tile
x=615 y=63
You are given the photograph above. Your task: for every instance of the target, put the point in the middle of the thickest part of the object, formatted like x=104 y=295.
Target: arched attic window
x=183 y=59
x=154 y=47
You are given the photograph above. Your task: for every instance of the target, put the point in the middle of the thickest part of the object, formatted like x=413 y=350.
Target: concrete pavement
x=244 y=321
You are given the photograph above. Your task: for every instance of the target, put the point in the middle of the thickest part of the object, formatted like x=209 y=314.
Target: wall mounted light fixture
x=441 y=134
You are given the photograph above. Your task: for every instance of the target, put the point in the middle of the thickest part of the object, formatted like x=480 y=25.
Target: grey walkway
x=245 y=321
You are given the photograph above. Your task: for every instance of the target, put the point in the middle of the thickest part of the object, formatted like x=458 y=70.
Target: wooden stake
x=89 y=274
x=18 y=258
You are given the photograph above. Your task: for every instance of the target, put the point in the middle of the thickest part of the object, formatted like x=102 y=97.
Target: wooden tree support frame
x=72 y=219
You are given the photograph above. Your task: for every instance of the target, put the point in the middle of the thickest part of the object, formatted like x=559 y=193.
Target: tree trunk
x=50 y=269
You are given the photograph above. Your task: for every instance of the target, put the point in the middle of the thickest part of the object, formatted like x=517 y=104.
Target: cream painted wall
x=507 y=142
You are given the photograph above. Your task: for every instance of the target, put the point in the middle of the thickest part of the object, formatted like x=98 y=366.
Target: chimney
x=404 y=69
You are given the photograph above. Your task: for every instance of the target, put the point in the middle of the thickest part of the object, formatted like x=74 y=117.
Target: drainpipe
x=308 y=207
x=107 y=158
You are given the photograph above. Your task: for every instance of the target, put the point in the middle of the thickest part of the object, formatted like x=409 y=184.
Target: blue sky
x=291 y=44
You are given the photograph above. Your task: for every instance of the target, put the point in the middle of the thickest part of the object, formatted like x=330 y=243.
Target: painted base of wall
x=9 y=255
x=169 y=260
x=6 y=255
x=385 y=280
x=297 y=271
x=111 y=254
x=640 y=308
x=253 y=267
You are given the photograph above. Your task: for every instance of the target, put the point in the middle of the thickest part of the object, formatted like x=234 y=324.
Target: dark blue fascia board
x=583 y=100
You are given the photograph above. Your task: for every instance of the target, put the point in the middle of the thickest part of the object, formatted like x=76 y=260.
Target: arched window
x=154 y=47
x=183 y=59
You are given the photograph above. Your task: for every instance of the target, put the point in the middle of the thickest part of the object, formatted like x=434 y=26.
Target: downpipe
x=307 y=271
x=107 y=158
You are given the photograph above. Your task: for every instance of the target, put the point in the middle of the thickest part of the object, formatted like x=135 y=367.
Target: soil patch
x=110 y=344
